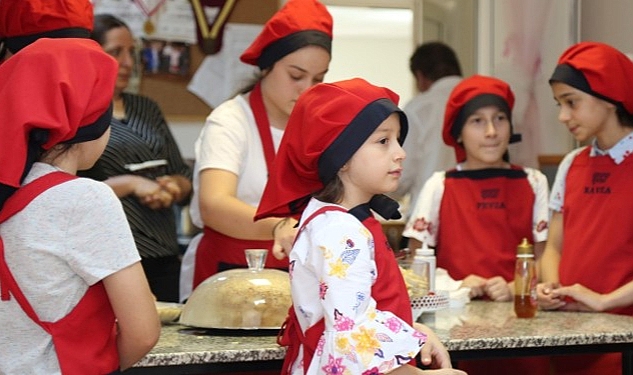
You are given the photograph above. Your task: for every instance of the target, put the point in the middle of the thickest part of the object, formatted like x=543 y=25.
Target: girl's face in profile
x=486 y=136
x=377 y=165
x=584 y=115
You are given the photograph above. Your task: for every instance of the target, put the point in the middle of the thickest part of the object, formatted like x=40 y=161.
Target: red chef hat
x=599 y=70
x=24 y=21
x=328 y=124
x=297 y=24
x=54 y=91
x=469 y=95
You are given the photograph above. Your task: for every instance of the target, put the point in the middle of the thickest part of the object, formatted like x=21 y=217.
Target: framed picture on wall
x=161 y=57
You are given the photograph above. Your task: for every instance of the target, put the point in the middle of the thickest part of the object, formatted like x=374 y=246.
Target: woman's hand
x=170 y=185
x=150 y=193
x=433 y=353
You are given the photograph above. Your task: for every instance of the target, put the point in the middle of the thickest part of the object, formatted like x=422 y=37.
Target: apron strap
x=20 y=199
x=263 y=126
x=291 y=335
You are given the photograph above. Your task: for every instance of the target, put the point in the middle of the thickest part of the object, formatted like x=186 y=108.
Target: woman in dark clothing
x=143 y=165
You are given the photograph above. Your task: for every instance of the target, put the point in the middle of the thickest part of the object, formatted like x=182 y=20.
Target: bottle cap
x=425 y=251
x=525 y=248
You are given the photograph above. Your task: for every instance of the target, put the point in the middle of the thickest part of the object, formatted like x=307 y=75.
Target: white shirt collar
x=617 y=153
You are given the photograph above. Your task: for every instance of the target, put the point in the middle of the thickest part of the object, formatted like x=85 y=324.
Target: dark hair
x=332 y=192
x=250 y=85
x=104 y=23
x=435 y=60
x=625 y=118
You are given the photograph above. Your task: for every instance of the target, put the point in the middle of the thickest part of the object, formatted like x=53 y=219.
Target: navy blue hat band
x=355 y=134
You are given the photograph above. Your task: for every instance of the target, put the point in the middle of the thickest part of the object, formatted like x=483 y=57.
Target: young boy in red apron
x=476 y=214
x=341 y=152
x=73 y=296
x=587 y=264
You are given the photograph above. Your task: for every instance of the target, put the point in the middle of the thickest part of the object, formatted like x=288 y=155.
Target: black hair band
x=290 y=43
x=16 y=43
x=355 y=134
x=573 y=77
x=93 y=131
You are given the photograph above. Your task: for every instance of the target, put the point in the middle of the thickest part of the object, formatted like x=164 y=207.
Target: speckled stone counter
x=479 y=329
x=491 y=325
x=181 y=345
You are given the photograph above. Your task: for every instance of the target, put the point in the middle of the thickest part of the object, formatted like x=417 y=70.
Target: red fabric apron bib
x=483 y=209
x=597 y=215
x=389 y=291
x=214 y=247
x=482 y=221
x=597 y=243
x=85 y=339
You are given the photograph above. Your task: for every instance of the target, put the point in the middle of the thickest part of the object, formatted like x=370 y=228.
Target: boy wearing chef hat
x=340 y=153
x=496 y=203
x=74 y=298
x=587 y=265
x=22 y=22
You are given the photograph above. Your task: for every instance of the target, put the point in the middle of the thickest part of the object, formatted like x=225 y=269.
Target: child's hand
x=476 y=284
x=547 y=300
x=433 y=353
x=585 y=298
x=498 y=290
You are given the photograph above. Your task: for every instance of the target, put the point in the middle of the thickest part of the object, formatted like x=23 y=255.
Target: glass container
x=244 y=298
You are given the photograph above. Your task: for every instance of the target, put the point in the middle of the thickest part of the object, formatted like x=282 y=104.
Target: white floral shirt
x=332 y=270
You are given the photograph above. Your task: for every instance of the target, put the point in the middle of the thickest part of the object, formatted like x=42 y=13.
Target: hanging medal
x=210 y=32
x=148 y=27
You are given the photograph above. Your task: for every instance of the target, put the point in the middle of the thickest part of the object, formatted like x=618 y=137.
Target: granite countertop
x=493 y=325
x=181 y=345
x=476 y=326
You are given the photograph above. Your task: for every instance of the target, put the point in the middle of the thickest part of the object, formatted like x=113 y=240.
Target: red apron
x=597 y=243
x=85 y=339
x=597 y=215
x=217 y=252
x=389 y=291
x=482 y=207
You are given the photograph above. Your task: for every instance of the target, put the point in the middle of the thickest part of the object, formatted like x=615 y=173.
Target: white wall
x=363 y=48
x=605 y=21
x=609 y=22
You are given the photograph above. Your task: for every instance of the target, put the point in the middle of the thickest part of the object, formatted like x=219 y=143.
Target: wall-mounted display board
x=170 y=24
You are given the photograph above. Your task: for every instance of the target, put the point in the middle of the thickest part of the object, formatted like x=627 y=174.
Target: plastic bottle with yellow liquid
x=525 y=304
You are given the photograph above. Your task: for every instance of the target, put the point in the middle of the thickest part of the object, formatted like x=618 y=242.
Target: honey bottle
x=525 y=304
